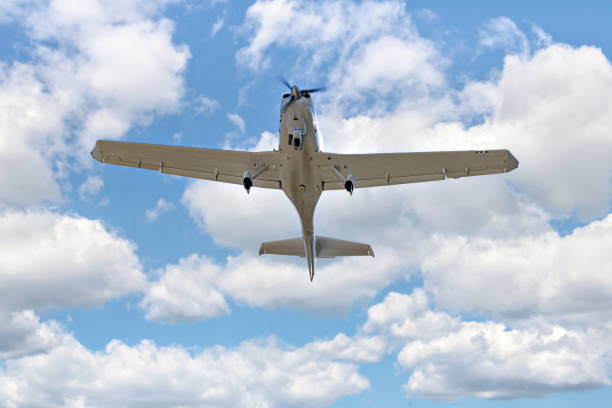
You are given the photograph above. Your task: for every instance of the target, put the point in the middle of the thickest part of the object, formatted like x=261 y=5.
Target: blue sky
x=125 y=287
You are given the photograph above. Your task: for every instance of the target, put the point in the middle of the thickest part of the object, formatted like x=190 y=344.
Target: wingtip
x=512 y=161
x=96 y=152
x=371 y=252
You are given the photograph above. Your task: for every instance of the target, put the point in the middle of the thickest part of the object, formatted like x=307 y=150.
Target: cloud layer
x=90 y=76
x=481 y=246
x=256 y=373
x=52 y=260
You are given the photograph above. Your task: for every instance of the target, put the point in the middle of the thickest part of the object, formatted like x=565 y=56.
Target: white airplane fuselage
x=300 y=179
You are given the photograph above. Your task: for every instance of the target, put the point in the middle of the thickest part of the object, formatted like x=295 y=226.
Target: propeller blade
x=284 y=81
x=319 y=89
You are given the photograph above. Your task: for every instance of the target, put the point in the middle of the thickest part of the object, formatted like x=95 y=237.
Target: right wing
x=381 y=169
x=219 y=165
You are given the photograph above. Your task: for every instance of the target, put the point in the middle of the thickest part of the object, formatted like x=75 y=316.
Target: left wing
x=218 y=165
x=381 y=169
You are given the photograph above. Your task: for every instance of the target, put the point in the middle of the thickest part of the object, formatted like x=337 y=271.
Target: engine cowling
x=349 y=184
x=247 y=181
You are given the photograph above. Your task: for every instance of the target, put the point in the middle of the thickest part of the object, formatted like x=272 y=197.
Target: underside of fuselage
x=300 y=181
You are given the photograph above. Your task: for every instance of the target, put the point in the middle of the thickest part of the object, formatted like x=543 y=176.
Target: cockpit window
x=286 y=95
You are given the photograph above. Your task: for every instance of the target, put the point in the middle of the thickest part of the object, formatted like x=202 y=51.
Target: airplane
x=303 y=172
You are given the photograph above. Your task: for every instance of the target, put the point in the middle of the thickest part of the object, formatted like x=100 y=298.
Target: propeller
x=296 y=93
x=313 y=90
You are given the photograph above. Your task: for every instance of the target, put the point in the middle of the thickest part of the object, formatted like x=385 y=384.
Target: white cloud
x=486 y=360
x=91 y=187
x=94 y=80
x=552 y=109
x=264 y=282
x=186 y=291
x=449 y=359
x=28 y=117
x=503 y=32
x=316 y=26
x=237 y=120
x=402 y=316
x=162 y=206
x=273 y=282
x=216 y=27
x=389 y=61
x=358 y=348
x=255 y=373
x=373 y=47
x=236 y=219
x=204 y=104
x=21 y=333
x=243 y=94
x=561 y=278
x=52 y=260
x=544 y=39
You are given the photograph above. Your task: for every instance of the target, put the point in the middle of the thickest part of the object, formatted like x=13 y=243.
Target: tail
x=324 y=248
x=319 y=247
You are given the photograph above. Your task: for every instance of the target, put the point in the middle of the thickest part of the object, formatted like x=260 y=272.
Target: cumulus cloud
x=52 y=260
x=564 y=278
x=402 y=316
x=486 y=360
x=22 y=333
x=28 y=117
x=90 y=77
x=372 y=46
x=186 y=291
x=316 y=25
x=552 y=109
x=451 y=359
x=197 y=288
x=255 y=373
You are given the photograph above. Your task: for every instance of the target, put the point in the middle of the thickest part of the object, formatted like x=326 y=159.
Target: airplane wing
x=219 y=165
x=381 y=169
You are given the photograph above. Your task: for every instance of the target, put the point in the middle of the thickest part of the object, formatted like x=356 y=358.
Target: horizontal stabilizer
x=293 y=246
x=331 y=248
x=325 y=248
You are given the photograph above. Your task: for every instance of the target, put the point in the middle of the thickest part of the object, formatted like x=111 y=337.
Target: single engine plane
x=303 y=172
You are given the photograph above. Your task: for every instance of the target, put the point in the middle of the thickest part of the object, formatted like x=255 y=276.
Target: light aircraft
x=303 y=171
